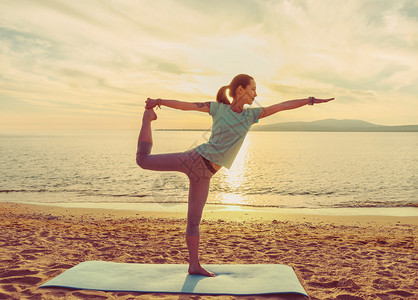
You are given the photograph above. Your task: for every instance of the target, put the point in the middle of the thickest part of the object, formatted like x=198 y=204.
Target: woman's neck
x=237 y=107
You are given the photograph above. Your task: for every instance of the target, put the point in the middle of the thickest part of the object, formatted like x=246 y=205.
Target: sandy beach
x=335 y=257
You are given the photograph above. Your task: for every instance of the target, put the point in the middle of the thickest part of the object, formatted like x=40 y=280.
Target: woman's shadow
x=191 y=281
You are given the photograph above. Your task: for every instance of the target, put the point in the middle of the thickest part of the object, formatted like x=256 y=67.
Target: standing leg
x=198 y=193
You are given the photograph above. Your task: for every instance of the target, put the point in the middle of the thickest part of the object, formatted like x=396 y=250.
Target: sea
x=295 y=170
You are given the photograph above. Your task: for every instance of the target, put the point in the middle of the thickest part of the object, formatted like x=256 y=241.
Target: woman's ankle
x=149 y=116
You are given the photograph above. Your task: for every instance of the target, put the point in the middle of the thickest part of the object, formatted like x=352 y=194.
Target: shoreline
x=109 y=203
x=334 y=257
x=232 y=212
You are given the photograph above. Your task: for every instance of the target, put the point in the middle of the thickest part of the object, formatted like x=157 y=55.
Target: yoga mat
x=173 y=278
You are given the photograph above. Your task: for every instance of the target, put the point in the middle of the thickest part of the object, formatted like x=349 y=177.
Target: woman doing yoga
x=231 y=122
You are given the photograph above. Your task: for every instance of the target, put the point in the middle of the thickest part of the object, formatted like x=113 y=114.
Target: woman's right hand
x=150 y=103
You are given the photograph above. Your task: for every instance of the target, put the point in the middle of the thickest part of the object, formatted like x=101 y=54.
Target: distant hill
x=335 y=125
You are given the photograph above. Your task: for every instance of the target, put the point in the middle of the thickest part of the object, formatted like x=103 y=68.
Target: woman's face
x=249 y=93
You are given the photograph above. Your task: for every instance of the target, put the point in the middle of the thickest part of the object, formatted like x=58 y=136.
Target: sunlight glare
x=234 y=178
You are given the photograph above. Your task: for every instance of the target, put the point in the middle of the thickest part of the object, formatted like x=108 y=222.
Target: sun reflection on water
x=234 y=179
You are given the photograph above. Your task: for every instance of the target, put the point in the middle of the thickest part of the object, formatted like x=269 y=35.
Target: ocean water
x=273 y=169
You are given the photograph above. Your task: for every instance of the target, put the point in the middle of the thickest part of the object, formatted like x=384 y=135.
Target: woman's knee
x=144 y=162
x=144 y=149
x=141 y=160
x=192 y=226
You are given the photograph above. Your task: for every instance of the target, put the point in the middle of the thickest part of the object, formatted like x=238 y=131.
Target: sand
x=335 y=257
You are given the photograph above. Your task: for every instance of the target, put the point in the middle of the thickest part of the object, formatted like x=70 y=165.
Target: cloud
x=104 y=57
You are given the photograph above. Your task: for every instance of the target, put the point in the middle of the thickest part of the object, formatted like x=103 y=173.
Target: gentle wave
x=147 y=198
x=273 y=169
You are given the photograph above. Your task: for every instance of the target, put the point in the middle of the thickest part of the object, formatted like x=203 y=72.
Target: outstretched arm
x=291 y=104
x=182 y=105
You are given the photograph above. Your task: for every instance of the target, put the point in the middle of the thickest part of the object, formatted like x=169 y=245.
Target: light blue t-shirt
x=228 y=133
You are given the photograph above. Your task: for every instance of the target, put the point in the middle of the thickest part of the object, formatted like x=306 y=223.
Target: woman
x=231 y=122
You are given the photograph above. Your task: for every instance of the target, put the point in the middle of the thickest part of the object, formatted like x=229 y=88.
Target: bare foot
x=199 y=270
x=149 y=115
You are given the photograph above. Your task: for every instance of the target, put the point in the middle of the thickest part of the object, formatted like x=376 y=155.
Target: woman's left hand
x=323 y=100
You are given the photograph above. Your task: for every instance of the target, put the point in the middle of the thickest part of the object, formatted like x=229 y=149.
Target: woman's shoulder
x=216 y=106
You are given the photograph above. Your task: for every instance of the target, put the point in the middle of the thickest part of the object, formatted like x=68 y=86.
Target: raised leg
x=145 y=135
x=158 y=162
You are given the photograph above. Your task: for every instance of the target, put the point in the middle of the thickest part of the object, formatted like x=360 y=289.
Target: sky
x=92 y=64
